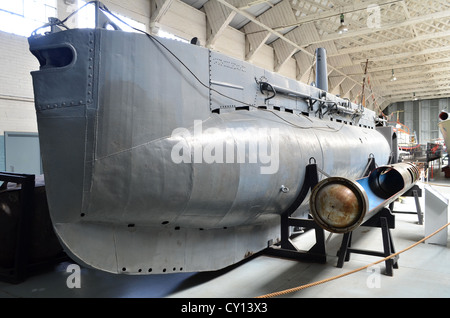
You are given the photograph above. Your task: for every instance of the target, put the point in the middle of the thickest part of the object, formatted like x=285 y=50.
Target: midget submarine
x=161 y=156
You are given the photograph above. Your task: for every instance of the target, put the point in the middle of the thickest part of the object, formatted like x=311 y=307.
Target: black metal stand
x=31 y=243
x=415 y=192
x=17 y=272
x=286 y=248
x=384 y=220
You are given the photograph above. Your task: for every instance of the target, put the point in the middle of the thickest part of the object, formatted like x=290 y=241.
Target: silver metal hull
x=110 y=117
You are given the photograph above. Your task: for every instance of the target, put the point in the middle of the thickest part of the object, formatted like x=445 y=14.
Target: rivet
x=284 y=189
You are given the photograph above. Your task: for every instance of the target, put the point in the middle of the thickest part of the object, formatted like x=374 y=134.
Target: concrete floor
x=423 y=272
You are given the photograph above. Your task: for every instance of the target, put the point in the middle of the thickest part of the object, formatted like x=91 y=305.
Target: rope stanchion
x=295 y=289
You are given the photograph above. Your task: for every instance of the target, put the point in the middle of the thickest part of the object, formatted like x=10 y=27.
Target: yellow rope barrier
x=291 y=290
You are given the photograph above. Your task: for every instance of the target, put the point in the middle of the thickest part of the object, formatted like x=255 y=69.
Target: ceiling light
x=393 y=78
x=342 y=28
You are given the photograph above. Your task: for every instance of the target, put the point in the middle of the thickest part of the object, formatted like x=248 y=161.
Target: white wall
x=16 y=92
x=187 y=22
x=17 y=111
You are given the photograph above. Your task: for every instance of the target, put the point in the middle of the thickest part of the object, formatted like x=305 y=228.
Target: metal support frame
x=415 y=192
x=102 y=21
x=371 y=165
x=17 y=273
x=286 y=248
x=25 y=259
x=384 y=220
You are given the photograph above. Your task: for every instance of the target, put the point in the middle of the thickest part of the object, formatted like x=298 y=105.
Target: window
x=24 y=16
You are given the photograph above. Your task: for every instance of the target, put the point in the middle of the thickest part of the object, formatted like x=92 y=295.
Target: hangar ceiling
x=407 y=39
